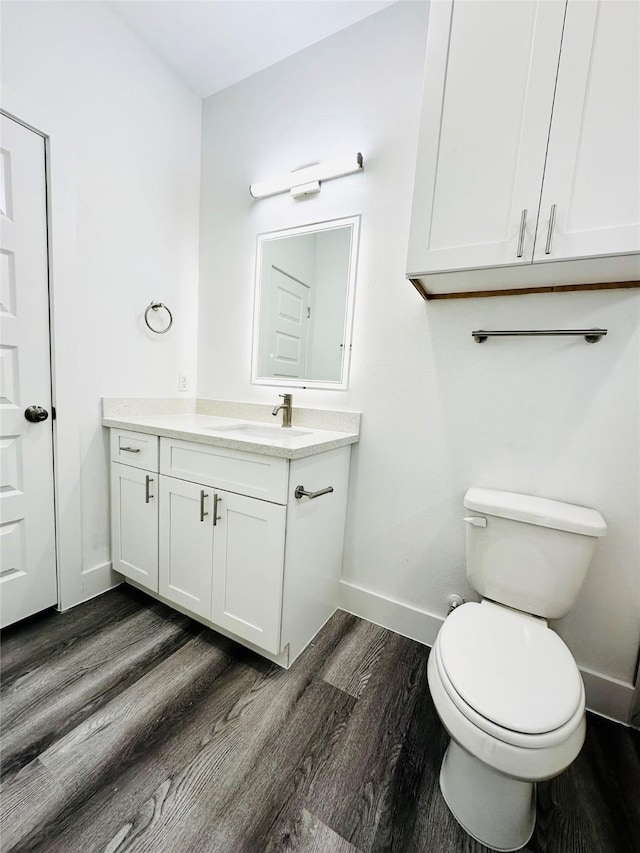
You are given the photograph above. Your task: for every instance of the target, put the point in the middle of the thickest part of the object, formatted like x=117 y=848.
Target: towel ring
x=156 y=306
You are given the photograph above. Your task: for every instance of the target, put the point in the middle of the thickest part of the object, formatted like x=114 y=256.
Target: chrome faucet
x=286 y=409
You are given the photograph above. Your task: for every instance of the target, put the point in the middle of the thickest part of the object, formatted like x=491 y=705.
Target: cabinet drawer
x=251 y=474
x=134 y=448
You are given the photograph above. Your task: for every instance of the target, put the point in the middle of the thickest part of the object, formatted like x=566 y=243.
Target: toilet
x=505 y=685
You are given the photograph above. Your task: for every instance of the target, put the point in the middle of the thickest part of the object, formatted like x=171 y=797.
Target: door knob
x=35 y=414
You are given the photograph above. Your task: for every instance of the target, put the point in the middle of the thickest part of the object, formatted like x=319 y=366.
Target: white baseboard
x=401 y=618
x=606 y=696
x=99 y=579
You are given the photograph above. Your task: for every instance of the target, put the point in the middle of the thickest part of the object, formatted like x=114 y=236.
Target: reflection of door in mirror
x=289 y=316
x=287 y=279
x=305 y=279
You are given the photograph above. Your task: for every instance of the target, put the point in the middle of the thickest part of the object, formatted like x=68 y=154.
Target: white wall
x=330 y=304
x=555 y=417
x=125 y=149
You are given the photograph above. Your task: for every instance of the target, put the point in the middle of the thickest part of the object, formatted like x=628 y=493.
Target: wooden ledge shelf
x=518 y=291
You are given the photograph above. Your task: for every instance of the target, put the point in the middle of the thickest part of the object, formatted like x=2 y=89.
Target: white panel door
x=248 y=548
x=27 y=526
x=289 y=326
x=489 y=80
x=592 y=176
x=186 y=544
x=134 y=524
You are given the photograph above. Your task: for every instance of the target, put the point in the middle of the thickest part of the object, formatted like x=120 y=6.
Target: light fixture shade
x=310 y=175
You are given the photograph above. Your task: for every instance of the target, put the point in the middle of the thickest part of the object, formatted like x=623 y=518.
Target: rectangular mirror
x=305 y=287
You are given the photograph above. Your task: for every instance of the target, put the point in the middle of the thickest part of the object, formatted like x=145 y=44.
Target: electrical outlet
x=184 y=382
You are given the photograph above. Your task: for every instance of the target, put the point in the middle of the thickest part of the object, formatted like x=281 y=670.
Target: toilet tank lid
x=533 y=510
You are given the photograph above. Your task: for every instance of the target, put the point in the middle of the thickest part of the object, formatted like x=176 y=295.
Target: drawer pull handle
x=130 y=449
x=523 y=225
x=147 y=496
x=203 y=495
x=301 y=492
x=216 y=500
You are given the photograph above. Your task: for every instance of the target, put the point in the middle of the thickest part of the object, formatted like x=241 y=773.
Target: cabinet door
x=248 y=547
x=489 y=80
x=134 y=524
x=186 y=544
x=592 y=176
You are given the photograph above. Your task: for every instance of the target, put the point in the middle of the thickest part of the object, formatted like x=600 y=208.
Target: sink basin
x=260 y=431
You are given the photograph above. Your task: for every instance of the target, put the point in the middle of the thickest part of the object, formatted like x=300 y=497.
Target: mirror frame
x=352 y=222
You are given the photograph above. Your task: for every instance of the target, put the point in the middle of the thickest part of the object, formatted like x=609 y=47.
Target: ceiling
x=212 y=44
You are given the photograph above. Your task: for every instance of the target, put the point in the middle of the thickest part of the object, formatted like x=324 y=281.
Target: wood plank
x=49 y=701
x=519 y=291
x=417 y=771
x=82 y=760
x=213 y=748
x=350 y=668
x=207 y=786
x=351 y=789
x=313 y=727
x=121 y=804
x=46 y=636
x=313 y=836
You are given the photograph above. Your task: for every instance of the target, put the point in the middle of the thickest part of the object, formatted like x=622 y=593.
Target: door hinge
x=53 y=413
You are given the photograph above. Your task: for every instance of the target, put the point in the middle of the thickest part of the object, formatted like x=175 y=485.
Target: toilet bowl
x=504 y=684
x=493 y=762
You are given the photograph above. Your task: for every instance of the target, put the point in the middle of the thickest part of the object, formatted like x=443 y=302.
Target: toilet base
x=496 y=810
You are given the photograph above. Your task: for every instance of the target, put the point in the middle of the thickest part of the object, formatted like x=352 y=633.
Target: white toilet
x=505 y=686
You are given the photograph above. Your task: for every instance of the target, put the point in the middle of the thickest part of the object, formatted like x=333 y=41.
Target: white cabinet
x=248 y=560
x=528 y=147
x=186 y=545
x=134 y=507
x=224 y=538
x=592 y=173
x=221 y=557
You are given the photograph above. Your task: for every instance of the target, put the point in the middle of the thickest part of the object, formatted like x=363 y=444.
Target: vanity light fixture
x=307 y=181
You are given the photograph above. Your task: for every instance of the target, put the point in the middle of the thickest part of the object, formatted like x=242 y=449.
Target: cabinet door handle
x=216 y=500
x=523 y=225
x=552 y=222
x=147 y=496
x=130 y=449
x=203 y=495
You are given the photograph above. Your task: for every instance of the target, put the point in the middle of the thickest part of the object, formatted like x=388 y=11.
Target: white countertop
x=273 y=440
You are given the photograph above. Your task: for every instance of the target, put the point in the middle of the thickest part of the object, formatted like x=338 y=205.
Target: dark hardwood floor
x=129 y=727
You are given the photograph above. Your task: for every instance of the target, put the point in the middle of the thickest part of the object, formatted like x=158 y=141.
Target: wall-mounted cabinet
x=528 y=148
x=219 y=534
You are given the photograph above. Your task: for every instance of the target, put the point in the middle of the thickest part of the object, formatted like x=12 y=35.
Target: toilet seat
x=510 y=675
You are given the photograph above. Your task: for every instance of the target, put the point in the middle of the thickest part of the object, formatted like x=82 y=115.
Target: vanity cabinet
x=528 y=146
x=134 y=507
x=225 y=539
x=222 y=557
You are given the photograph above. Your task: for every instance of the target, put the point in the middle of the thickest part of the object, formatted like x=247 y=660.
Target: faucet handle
x=285 y=397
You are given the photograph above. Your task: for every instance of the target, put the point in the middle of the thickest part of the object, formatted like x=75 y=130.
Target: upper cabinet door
x=592 y=176
x=489 y=81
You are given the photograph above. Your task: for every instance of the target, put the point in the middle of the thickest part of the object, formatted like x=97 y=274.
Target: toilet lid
x=510 y=667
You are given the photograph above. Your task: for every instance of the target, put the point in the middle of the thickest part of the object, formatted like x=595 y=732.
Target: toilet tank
x=528 y=552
